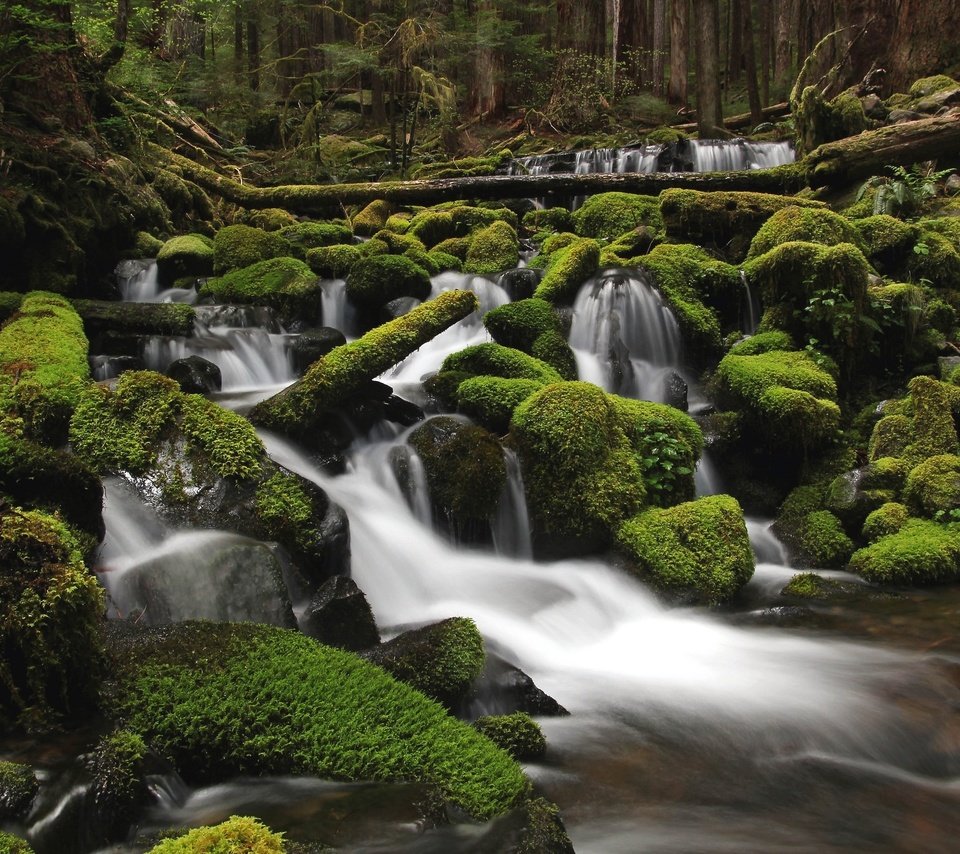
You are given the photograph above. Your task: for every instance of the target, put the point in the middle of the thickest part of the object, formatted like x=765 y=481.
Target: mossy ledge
x=220 y=700
x=345 y=370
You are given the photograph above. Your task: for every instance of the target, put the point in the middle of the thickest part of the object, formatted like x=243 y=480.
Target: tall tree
x=709 y=107
x=679 y=43
x=750 y=63
x=660 y=44
x=488 y=95
x=631 y=36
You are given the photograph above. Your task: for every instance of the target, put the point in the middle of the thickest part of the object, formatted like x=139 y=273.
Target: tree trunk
x=582 y=26
x=679 y=41
x=924 y=41
x=253 y=46
x=782 y=56
x=238 y=52
x=488 y=96
x=750 y=65
x=766 y=49
x=660 y=44
x=735 y=51
x=188 y=35
x=631 y=34
x=709 y=108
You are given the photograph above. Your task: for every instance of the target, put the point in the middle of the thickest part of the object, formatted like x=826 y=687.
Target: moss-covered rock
x=310 y=235
x=885 y=520
x=188 y=255
x=239 y=246
x=547 y=220
x=285 y=284
x=796 y=270
x=725 y=220
x=763 y=342
x=10 y=844
x=18 y=788
x=444 y=261
x=933 y=486
x=919 y=553
x=568 y=268
x=465 y=472
x=936 y=259
x=934 y=429
x=532 y=325
x=51 y=649
x=43 y=367
x=928 y=85
x=699 y=549
x=518 y=734
x=458 y=247
x=373 y=282
x=422 y=259
x=493 y=249
x=811 y=225
x=431 y=226
x=333 y=262
x=608 y=215
x=372 y=218
x=117 y=768
x=491 y=401
x=236 y=835
x=295 y=707
x=498 y=361
x=270 y=219
x=888 y=240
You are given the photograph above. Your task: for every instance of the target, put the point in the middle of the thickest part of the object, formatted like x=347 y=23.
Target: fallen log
x=858 y=157
x=332 y=199
x=301 y=409
x=743 y=120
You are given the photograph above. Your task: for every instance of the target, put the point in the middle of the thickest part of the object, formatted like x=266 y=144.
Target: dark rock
x=196 y=375
x=520 y=283
x=398 y=307
x=339 y=615
x=873 y=107
x=897 y=116
x=536 y=826
x=851 y=501
x=401 y=411
x=675 y=391
x=947 y=365
x=502 y=689
x=312 y=344
x=952 y=185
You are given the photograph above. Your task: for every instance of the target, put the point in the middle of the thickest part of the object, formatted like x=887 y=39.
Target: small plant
x=904 y=192
x=663 y=461
x=951 y=515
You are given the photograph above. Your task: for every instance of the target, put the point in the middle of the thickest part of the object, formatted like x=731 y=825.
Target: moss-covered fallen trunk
x=345 y=371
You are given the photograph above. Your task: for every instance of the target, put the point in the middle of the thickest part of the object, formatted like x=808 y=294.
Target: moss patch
x=812 y=225
x=236 y=835
x=608 y=215
x=491 y=401
x=921 y=553
x=518 y=734
x=499 y=361
x=286 y=284
x=239 y=246
x=567 y=270
x=375 y=281
x=188 y=255
x=493 y=249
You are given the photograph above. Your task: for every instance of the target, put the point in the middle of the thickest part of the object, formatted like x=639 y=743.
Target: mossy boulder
x=493 y=249
x=422 y=259
x=466 y=474
x=239 y=246
x=310 y=235
x=547 y=220
x=10 y=844
x=889 y=241
x=51 y=607
x=491 y=401
x=608 y=215
x=18 y=788
x=933 y=486
x=431 y=226
x=935 y=258
x=372 y=218
x=285 y=284
x=498 y=361
x=885 y=520
x=698 y=549
x=518 y=734
x=725 y=220
x=458 y=247
x=921 y=552
x=926 y=86
x=763 y=342
x=441 y=659
x=811 y=225
x=296 y=707
x=236 y=835
x=795 y=270
x=532 y=325
x=117 y=766
x=581 y=475
x=375 y=281
x=567 y=269
x=333 y=262
x=43 y=367
x=934 y=427
x=189 y=255
x=444 y=261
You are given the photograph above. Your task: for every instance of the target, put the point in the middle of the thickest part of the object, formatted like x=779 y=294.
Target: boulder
x=339 y=615
x=196 y=375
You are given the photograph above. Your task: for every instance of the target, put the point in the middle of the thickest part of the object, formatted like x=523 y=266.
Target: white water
x=139 y=282
x=715 y=155
x=624 y=336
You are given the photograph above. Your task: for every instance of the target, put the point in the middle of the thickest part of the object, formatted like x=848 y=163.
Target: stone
x=312 y=344
x=196 y=375
x=520 y=283
x=339 y=615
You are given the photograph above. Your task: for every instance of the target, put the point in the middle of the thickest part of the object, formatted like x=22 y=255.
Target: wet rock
x=339 y=615
x=675 y=391
x=520 y=283
x=196 y=375
x=312 y=344
x=873 y=107
x=503 y=688
x=850 y=498
x=536 y=826
x=952 y=185
x=18 y=788
x=398 y=307
x=897 y=116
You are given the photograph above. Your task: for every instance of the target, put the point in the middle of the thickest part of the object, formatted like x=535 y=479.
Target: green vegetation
x=18 y=788
x=920 y=552
x=333 y=262
x=518 y=734
x=885 y=520
x=532 y=325
x=933 y=486
x=296 y=707
x=239 y=246
x=286 y=284
x=493 y=249
x=699 y=549
x=498 y=361
x=811 y=225
x=567 y=269
x=608 y=215
x=763 y=342
x=236 y=835
x=10 y=844
x=189 y=255
x=491 y=401
x=372 y=218
x=375 y=281
x=311 y=235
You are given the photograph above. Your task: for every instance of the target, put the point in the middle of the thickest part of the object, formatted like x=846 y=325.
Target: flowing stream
x=689 y=730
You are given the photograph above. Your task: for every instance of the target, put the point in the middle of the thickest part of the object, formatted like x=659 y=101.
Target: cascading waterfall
x=750 y=315
x=625 y=338
x=335 y=309
x=721 y=155
x=139 y=281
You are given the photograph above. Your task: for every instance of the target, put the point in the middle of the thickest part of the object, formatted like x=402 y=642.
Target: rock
x=947 y=365
x=520 y=283
x=312 y=344
x=952 y=185
x=517 y=733
x=873 y=107
x=849 y=499
x=18 y=788
x=398 y=307
x=503 y=688
x=897 y=116
x=675 y=391
x=339 y=615
x=196 y=375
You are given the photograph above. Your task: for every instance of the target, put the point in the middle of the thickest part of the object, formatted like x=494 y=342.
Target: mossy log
x=743 y=120
x=870 y=152
x=346 y=370
x=328 y=199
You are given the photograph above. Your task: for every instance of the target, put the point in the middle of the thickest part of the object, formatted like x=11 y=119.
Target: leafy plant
x=904 y=192
x=663 y=462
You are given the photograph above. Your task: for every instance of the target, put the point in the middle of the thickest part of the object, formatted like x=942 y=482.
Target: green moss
x=333 y=262
x=10 y=844
x=499 y=361
x=146 y=245
x=310 y=235
x=806 y=585
x=117 y=767
x=43 y=366
x=346 y=369
x=239 y=246
x=796 y=270
x=548 y=219
x=296 y=707
x=493 y=249
x=938 y=262
x=763 y=342
x=928 y=85
x=519 y=324
x=726 y=220
x=491 y=401
x=465 y=470
x=422 y=259
x=920 y=552
x=888 y=240
x=375 y=281
x=286 y=284
x=552 y=348
x=885 y=520
x=51 y=653
x=372 y=218
x=270 y=219
x=572 y=266
x=518 y=734
x=463 y=167
x=933 y=425
x=822 y=540
x=286 y=511
x=18 y=788
x=398 y=222
x=699 y=548
x=188 y=255
x=891 y=437
x=458 y=247
x=933 y=486
x=236 y=835
x=608 y=215
x=810 y=225
x=126 y=429
x=469 y=218
x=444 y=261
x=374 y=246
x=431 y=226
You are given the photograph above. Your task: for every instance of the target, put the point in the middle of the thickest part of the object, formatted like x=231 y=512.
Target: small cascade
x=139 y=281
x=706 y=478
x=722 y=155
x=750 y=314
x=467 y=332
x=767 y=547
x=245 y=342
x=511 y=528
x=335 y=309
x=625 y=338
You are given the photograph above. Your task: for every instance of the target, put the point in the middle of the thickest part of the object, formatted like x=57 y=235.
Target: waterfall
x=624 y=336
x=750 y=315
x=721 y=155
x=139 y=282
x=511 y=528
x=335 y=310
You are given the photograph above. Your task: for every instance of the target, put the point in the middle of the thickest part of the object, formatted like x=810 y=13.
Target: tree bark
x=750 y=65
x=660 y=44
x=631 y=34
x=488 y=95
x=783 y=55
x=709 y=109
x=679 y=42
